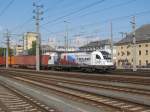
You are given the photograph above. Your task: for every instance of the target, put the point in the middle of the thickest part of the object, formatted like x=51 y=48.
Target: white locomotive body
x=95 y=61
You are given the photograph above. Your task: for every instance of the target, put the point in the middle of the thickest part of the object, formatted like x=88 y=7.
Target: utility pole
x=66 y=35
x=37 y=18
x=134 y=43
x=7 y=48
x=122 y=34
x=23 y=42
x=111 y=39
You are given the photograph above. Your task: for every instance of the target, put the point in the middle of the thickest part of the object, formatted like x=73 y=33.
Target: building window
x=139 y=62
x=128 y=53
x=139 y=52
x=126 y=61
x=146 y=52
x=146 y=45
x=122 y=53
x=146 y=62
x=139 y=45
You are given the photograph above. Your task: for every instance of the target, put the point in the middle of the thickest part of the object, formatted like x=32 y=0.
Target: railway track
x=88 y=81
x=103 y=77
x=129 y=72
x=64 y=80
x=122 y=72
x=12 y=100
x=83 y=96
x=90 y=84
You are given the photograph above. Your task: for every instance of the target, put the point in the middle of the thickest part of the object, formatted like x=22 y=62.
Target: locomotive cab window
x=98 y=57
x=49 y=57
x=106 y=55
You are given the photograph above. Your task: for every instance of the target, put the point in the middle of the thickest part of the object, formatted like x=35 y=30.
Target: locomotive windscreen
x=106 y=55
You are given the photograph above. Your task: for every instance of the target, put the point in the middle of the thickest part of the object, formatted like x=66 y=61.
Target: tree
x=32 y=51
x=3 y=52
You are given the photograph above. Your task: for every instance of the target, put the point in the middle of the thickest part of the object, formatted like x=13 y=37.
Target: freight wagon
x=24 y=61
x=2 y=61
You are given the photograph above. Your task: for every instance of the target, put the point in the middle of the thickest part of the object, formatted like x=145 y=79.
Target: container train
x=84 y=61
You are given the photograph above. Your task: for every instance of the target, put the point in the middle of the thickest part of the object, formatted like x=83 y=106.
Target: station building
x=124 y=49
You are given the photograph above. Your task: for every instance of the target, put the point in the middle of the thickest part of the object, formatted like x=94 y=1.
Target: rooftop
x=142 y=35
x=97 y=43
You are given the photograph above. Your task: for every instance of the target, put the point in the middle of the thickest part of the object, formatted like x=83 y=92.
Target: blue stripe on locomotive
x=71 y=58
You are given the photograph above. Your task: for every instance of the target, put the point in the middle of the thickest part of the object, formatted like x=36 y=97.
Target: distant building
x=96 y=45
x=46 y=49
x=18 y=50
x=62 y=48
x=125 y=49
x=81 y=40
x=29 y=37
x=52 y=42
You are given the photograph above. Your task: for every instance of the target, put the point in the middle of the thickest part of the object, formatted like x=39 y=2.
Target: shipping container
x=2 y=60
x=27 y=60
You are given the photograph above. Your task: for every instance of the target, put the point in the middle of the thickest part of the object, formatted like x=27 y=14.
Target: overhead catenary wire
x=105 y=21
x=104 y=9
x=95 y=23
x=54 y=6
x=23 y=24
x=89 y=33
x=6 y=7
x=85 y=37
x=76 y=11
x=65 y=6
x=109 y=8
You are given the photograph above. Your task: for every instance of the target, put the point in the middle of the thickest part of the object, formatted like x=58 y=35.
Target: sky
x=87 y=18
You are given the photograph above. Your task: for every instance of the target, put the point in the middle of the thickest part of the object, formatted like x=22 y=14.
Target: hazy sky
x=86 y=17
